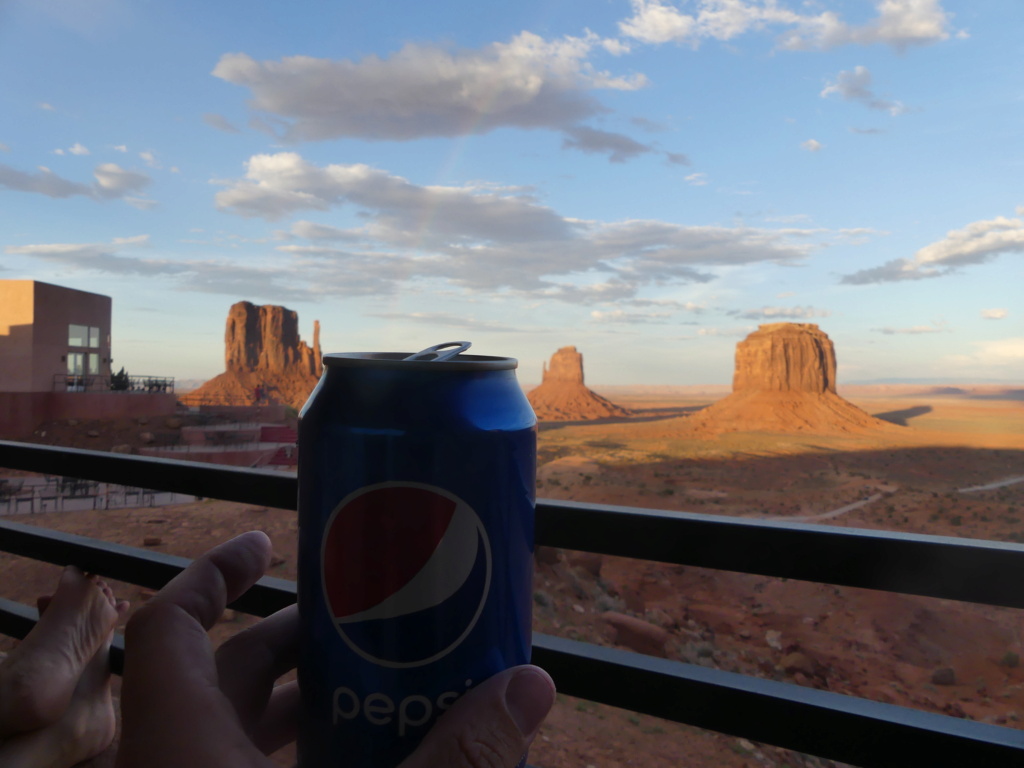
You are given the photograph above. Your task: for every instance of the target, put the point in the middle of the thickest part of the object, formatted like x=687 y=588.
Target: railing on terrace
x=830 y=725
x=128 y=384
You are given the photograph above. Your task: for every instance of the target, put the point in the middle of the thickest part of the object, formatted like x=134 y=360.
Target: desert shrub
x=119 y=382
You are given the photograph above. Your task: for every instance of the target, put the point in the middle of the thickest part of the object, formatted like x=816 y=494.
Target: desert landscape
x=927 y=459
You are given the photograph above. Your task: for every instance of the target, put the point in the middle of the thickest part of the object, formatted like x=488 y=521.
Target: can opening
x=435 y=353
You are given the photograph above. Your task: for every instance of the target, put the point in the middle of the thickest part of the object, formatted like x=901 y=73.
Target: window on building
x=78 y=336
x=76 y=360
x=83 y=336
x=94 y=363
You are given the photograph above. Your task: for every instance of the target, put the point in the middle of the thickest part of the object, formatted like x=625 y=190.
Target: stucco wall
x=55 y=309
x=21 y=413
x=17 y=300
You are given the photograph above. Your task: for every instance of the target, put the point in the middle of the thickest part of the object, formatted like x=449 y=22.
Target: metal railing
x=831 y=725
x=128 y=384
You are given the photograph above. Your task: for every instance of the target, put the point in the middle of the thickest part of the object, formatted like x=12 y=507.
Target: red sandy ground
x=880 y=646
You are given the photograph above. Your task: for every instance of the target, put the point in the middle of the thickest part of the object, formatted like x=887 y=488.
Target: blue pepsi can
x=416 y=503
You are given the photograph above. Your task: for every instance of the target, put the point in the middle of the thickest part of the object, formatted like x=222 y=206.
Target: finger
x=217 y=578
x=250 y=662
x=280 y=722
x=492 y=725
x=170 y=679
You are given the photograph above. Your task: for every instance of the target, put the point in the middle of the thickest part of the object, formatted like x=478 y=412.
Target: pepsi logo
x=406 y=572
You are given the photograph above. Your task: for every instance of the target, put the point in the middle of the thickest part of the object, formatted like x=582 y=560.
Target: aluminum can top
x=400 y=361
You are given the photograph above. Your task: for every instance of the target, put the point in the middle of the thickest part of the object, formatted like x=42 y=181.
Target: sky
x=648 y=180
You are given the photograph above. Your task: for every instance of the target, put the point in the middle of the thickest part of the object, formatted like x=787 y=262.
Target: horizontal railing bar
x=972 y=570
x=17 y=620
x=934 y=566
x=129 y=564
x=831 y=725
x=249 y=486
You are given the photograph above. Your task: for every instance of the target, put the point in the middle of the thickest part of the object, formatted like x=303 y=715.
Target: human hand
x=184 y=705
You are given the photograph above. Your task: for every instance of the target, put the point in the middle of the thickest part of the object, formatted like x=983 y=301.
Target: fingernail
x=529 y=696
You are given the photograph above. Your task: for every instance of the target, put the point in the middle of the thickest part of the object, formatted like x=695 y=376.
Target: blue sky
x=648 y=180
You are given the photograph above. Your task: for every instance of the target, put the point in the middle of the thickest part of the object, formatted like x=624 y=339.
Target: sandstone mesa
x=562 y=395
x=785 y=381
x=262 y=349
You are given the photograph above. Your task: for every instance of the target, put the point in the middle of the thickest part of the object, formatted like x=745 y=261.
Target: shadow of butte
x=901 y=417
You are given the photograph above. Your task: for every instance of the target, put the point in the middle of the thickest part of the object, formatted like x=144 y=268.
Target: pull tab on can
x=434 y=353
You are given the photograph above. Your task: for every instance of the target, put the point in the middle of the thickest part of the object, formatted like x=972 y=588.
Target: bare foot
x=84 y=730
x=39 y=676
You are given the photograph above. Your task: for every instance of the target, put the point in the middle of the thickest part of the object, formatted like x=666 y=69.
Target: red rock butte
x=262 y=349
x=562 y=395
x=785 y=381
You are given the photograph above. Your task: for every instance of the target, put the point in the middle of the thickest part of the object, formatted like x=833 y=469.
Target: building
x=50 y=336
x=55 y=360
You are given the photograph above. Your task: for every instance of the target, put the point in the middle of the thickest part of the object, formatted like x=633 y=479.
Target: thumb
x=492 y=725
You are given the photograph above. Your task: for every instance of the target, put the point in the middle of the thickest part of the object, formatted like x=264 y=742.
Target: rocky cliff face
x=562 y=396
x=262 y=349
x=785 y=357
x=266 y=339
x=785 y=381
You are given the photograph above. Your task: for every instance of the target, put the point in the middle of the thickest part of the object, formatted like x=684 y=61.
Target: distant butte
x=785 y=381
x=562 y=395
x=262 y=349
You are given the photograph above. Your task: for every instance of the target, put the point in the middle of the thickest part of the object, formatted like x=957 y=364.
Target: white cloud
x=58 y=151
x=142 y=203
x=1001 y=350
x=464 y=322
x=45 y=182
x=697 y=179
x=621 y=316
x=768 y=313
x=485 y=237
x=114 y=181
x=997 y=357
x=150 y=159
x=4 y=147
x=855 y=85
x=421 y=91
x=101 y=257
x=45 y=106
x=204 y=276
x=994 y=314
x=219 y=122
x=734 y=331
x=811 y=145
x=899 y=23
x=913 y=330
x=977 y=243
x=78 y=149
x=617 y=146
x=120 y=148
